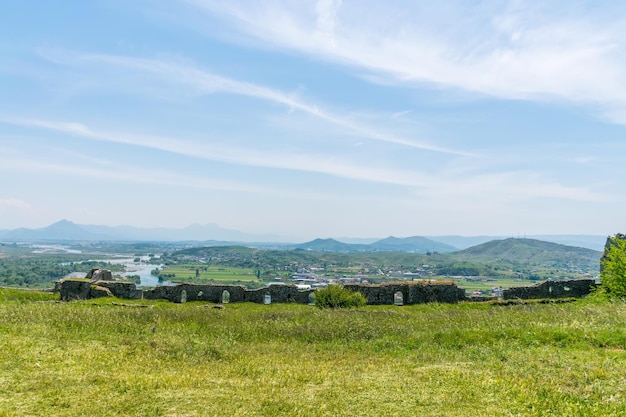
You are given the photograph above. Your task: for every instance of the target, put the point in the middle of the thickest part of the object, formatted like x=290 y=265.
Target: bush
x=335 y=296
x=613 y=267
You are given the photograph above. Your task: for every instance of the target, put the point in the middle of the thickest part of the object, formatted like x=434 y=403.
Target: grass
x=471 y=359
x=487 y=283
x=187 y=273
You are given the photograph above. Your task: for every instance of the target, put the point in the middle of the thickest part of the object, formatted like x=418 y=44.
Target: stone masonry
x=392 y=293
x=551 y=289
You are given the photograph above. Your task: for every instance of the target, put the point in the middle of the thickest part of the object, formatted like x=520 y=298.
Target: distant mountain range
x=534 y=255
x=409 y=244
x=66 y=230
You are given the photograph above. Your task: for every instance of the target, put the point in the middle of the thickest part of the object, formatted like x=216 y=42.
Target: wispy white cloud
x=327 y=20
x=306 y=162
x=497 y=187
x=180 y=72
x=129 y=174
x=511 y=50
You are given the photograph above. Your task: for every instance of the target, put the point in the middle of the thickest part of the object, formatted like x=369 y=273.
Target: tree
x=613 y=266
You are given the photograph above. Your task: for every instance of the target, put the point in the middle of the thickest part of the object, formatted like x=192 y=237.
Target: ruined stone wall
x=99 y=274
x=121 y=289
x=284 y=294
x=440 y=293
x=236 y=293
x=551 y=289
x=381 y=294
x=412 y=292
x=74 y=289
x=84 y=289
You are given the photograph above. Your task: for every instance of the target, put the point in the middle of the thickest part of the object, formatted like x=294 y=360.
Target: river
x=143 y=270
x=145 y=274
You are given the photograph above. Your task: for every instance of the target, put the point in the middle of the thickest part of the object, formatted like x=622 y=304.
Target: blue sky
x=315 y=118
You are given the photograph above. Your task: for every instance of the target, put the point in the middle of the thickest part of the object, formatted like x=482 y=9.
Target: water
x=136 y=268
x=145 y=274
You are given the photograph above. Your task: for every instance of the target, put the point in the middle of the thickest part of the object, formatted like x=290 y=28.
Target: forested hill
x=531 y=251
x=510 y=252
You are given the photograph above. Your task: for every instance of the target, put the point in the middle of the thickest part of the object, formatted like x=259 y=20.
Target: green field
x=471 y=359
x=199 y=273
x=487 y=283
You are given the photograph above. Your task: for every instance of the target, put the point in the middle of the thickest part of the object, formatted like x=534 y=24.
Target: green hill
x=531 y=251
x=332 y=245
x=411 y=244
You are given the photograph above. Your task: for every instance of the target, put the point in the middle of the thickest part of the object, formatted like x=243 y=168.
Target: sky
x=308 y=119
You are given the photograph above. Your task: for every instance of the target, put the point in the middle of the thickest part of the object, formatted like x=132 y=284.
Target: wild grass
x=471 y=359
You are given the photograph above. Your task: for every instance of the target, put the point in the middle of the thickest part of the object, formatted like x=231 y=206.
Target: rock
x=96 y=291
x=99 y=274
x=74 y=289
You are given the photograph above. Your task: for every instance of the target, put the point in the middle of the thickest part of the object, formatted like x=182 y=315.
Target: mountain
x=531 y=251
x=463 y=242
x=62 y=230
x=193 y=232
x=415 y=244
x=331 y=245
x=411 y=244
x=66 y=230
x=595 y=242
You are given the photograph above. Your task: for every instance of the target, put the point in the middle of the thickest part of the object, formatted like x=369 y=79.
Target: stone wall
x=99 y=274
x=412 y=292
x=121 y=289
x=74 y=289
x=85 y=289
x=380 y=294
x=551 y=289
x=234 y=293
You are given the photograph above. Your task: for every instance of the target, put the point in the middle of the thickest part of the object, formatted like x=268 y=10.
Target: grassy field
x=487 y=283
x=472 y=359
x=202 y=274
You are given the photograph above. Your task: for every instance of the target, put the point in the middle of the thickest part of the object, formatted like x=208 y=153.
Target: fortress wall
x=412 y=293
x=121 y=289
x=551 y=289
x=380 y=294
x=442 y=293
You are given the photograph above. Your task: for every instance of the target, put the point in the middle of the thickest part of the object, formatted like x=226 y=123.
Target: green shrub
x=335 y=296
x=613 y=267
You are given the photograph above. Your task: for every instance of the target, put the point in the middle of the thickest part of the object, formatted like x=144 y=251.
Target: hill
x=531 y=252
x=332 y=245
x=412 y=244
x=526 y=257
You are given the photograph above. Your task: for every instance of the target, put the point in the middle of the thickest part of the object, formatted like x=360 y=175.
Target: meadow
x=202 y=274
x=111 y=357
